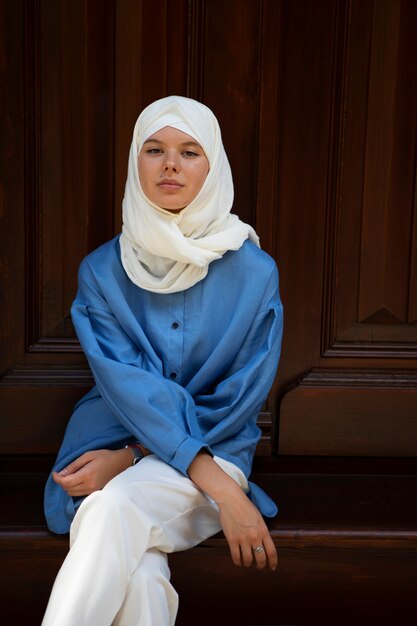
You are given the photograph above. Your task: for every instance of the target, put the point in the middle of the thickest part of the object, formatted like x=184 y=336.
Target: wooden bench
x=346 y=536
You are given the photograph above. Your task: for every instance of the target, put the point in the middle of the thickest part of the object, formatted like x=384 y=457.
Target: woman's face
x=172 y=168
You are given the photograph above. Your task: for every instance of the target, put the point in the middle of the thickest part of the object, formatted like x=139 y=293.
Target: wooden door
x=317 y=102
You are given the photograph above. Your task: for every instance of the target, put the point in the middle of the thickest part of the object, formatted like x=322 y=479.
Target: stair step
x=347 y=547
x=364 y=577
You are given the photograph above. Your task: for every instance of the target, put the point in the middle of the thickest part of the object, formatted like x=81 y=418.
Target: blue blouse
x=178 y=372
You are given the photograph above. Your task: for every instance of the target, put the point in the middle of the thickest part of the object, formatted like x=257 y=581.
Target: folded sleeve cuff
x=186 y=452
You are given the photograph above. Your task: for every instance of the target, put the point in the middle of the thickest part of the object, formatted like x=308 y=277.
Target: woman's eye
x=190 y=153
x=153 y=151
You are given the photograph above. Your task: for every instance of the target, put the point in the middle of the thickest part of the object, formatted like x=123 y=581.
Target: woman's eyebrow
x=184 y=144
x=191 y=143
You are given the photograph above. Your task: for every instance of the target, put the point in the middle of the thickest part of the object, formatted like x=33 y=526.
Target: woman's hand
x=92 y=471
x=242 y=524
x=245 y=530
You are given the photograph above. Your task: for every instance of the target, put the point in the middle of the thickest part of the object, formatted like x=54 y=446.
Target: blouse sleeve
x=159 y=412
x=231 y=410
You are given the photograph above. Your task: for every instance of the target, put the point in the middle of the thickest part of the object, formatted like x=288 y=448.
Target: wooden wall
x=317 y=102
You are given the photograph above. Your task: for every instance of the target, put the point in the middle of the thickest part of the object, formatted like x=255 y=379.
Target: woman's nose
x=171 y=163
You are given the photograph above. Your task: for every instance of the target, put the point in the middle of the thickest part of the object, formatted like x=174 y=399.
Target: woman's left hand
x=243 y=525
x=92 y=471
x=245 y=530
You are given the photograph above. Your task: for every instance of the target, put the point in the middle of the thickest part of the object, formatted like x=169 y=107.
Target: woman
x=181 y=323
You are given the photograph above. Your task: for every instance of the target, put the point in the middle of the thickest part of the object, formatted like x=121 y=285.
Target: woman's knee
x=105 y=500
x=102 y=511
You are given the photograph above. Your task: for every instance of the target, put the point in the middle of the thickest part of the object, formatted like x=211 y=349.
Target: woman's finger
x=76 y=465
x=259 y=555
x=71 y=487
x=71 y=480
x=270 y=552
x=235 y=553
x=247 y=554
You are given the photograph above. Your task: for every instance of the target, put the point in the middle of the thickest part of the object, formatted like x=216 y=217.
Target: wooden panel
x=389 y=166
x=373 y=289
x=73 y=155
x=36 y=404
x=364 y=230
x=308 y=37
x=12 y=245
x=345 y=413
x=58 y=64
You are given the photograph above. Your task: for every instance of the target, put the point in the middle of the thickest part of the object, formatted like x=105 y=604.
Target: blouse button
x=173 y=375
x=174 y=325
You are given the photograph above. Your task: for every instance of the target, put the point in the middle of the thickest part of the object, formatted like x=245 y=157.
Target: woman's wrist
x=126 y=457
x=137 y=452
x=229 y=492
x=210 y=478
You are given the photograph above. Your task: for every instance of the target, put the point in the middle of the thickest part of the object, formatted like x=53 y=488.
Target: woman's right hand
x=93 y=470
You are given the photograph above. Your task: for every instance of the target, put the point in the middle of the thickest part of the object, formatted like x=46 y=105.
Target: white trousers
x=116 y=572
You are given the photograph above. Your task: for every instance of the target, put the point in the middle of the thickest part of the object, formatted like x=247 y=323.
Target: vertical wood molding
x=196 y=48
x=32 y=169
x=335 y=169
x=412 y=305
x=268 y=120
x=127 y=92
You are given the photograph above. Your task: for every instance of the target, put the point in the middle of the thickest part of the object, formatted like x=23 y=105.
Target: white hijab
x=167 y=252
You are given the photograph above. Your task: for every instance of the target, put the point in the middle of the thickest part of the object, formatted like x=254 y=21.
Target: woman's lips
x=169 y=185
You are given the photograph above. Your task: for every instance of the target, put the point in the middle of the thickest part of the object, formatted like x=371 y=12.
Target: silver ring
x=258 y=549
